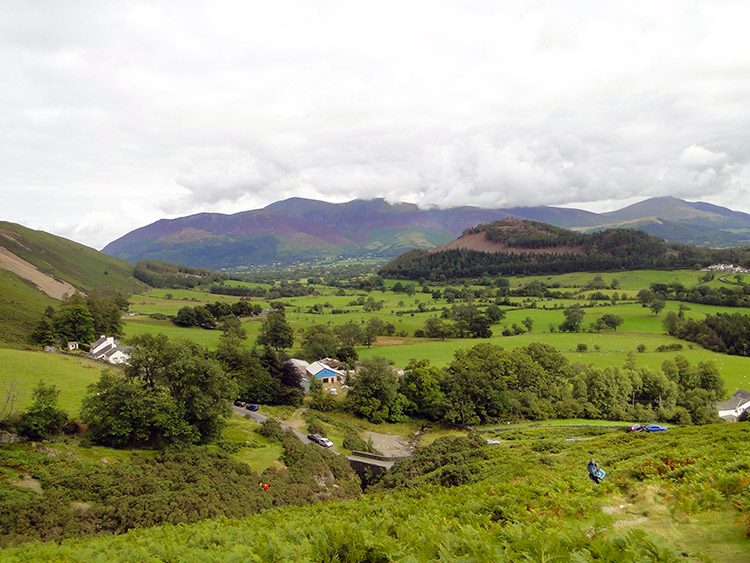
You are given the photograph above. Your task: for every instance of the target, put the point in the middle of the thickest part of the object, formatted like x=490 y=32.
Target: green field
x=640 y=325
x=70 y=374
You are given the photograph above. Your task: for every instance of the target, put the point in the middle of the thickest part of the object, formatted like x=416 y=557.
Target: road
x=257 y=417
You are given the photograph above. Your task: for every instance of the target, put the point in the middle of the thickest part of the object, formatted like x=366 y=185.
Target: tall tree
x=573 y=319
x=318 y=341
x=121 y=412
x=374 y=394
x=43 y=418
x=421 y=387
x=276 y=331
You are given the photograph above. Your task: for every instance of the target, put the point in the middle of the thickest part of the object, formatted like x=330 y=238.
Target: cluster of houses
x=728 y=268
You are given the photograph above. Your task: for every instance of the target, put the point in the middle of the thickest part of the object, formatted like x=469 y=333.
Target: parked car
x=636 y=428
x=251 y=407
x=493 y=442
x=333 y=392
x=655 y=428
x=325 y=442
x=239 y=403
x=315 y=438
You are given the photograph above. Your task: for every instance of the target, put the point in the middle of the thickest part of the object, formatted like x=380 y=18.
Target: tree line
x=81 y=319
x=486 y=384
x=173 y=276
x=213 y=315
x=723 y=332
x=735 y=295
x=608 y=250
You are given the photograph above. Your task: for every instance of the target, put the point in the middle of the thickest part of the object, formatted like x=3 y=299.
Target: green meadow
x=71 y=375
x=640 y=325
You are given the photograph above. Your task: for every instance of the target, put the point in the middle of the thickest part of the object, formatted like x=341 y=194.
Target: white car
x=333 y=392
x=325 y=442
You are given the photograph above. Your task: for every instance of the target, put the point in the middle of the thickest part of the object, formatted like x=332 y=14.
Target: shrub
x=271 y=429
x=355 y=442
x=315 y=427
x=669 y=347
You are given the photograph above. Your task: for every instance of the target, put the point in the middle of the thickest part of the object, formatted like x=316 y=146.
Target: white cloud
x=700 y=157
x=116 y=114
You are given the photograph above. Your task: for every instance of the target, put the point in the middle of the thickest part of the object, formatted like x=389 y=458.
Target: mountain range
x=301 y=230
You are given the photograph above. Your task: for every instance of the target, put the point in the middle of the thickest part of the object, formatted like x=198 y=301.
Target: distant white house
x=731 y=409
x=109 y=350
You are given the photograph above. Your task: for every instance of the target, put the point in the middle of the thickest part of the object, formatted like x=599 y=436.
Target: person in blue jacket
x=596 y=474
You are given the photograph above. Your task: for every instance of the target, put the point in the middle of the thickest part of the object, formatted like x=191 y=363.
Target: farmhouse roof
x=104 y=351
x=739 y=398
x=316 y=367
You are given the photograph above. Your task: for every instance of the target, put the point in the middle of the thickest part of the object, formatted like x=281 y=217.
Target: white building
x=731 y=409
x=108 y=349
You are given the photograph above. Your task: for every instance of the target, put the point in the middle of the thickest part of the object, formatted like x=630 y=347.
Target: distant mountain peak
x=299 y=229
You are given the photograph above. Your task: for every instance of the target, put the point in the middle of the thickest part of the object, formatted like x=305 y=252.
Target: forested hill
x=520 y=247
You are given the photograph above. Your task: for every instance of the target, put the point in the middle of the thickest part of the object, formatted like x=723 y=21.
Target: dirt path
x=23 y=269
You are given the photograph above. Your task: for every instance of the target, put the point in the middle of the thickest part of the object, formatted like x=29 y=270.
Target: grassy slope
x=21 y=304
x=21 y=307
x=71 y=375
x=666 y=498
x=75 y=263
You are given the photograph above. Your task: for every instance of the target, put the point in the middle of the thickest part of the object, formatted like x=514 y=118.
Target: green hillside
x=85 y=269
x=681 y=495
x=21 y=307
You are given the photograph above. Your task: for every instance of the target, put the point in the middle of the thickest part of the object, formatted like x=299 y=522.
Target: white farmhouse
x=108 y=350
x=731 y=409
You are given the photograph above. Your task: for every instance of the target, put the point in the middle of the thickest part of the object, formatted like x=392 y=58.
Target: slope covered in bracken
x=680 y=495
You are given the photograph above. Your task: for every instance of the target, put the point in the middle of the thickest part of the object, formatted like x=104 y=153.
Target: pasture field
x=71 y=375
x=634 y=280
x=606 y=348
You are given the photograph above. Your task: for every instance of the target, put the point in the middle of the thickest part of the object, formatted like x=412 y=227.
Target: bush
x=454 y=475
x=355 y=442
x=315 y=427
x=271 y=429
x=676 y=347
x=323 y=402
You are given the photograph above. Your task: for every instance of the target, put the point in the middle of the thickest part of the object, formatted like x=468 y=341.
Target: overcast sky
x=116 y=114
